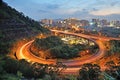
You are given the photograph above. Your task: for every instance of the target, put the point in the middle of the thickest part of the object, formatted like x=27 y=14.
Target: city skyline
x=55 y=9
x=59 y=39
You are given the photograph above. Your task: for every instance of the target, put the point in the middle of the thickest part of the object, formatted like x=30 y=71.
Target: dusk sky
x=55 y=9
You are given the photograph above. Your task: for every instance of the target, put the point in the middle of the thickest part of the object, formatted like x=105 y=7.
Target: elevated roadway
x=73 y=65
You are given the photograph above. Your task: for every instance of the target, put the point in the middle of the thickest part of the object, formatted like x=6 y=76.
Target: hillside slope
x=15 y=25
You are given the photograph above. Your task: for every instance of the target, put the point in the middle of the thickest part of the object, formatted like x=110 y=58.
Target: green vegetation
x=93 y=72
x=89 y=72
x=113 y=70
x=14 y=26
x=49 y=42
x=111 y=31
x=11 y=16
x=115 y=46
x=54 y=47
x=11 y=69
x=64 y=52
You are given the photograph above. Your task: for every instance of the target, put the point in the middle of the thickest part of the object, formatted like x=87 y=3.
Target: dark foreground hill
x=15 y=25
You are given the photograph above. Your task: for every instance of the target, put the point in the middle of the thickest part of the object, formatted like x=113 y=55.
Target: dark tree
x=89 y=72
x=25 y=68
x=1 y=2
x=11 y=65
x=113 y=69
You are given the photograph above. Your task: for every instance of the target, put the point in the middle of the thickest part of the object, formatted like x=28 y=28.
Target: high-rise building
x=104 y=22
x=84 y=23
x=47 y=22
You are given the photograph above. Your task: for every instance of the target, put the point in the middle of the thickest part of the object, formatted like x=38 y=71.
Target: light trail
x=87 y=36
x=73 y=65
x=21 y=50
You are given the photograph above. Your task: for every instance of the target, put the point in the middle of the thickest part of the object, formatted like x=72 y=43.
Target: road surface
x=73 y=65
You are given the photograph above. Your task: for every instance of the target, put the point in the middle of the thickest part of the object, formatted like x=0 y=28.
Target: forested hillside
x=14 y=26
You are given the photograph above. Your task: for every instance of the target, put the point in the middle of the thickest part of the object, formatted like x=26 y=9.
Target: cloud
x=94 y=9
x=106 y=11
x=43 y=11
x=114 y=3
x=83 y=9
x=52 y=6
x=65 y=11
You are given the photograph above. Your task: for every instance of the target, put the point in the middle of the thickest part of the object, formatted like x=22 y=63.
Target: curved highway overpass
x=87 y=36
x=73 y=65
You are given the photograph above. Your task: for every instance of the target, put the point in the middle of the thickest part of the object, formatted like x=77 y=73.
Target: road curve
x=87 y=36
x=24 y=53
